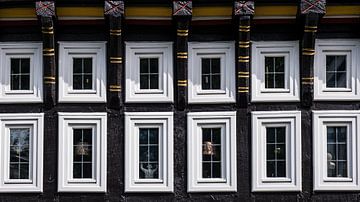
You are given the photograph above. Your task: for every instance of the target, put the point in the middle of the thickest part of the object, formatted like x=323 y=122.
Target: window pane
x=337 y=151
x=144 y=81
x=82 y=73
x=274 y=72
x=19 y=153
x=211 y=154
x=82 y=150
x=276 y=151
x=210 y=73
x=20 y=74
x=336 y=71
x=154 y=65
x=144 y=66
x=154 y=81
x=148 y=153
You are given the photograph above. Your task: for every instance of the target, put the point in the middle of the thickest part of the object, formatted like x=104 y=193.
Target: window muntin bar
x=336 y=71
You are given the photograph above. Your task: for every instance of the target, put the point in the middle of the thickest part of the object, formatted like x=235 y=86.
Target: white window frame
x=134 y=121
x=70 y=50
x=196 y=121
x=67 y=122
x=288 y=49
x=34 y=121
x=292 y=121
x=21 y=50
x=161 y=50
x=322 y=119
x=226 y=52
x=348 y=47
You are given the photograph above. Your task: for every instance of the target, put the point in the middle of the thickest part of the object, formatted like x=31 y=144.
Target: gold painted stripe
x=182 y=57
x=115 y=58
x=342 y=10
x=115 y=90
x=206 y=11
x=243 y=88
x=179 y=34
x=49 y=82
x=243 y=76
x=307 y=83
x=310 y=30
x=48 y=54
x=308 y=78
x=80 y=12
x=46 y=32
x=246 y=73
x=309 y=49
x=182 y=81
x=148 y=11
x=115 y=61
x=243 y=91
x=181 y=53
x=244 y=46
x=115 y=34
x=243 y=60
x=115 y=30
x=183 y=85
x=48 y=49
x=244 y=57
x=244 y=42
x=183 y=30
x=244 y=30
x=244 y=27
x=310 y=27
x=308 y=53
x=47 y=28
x=49 y=78
x=276 y=10
x=115 y=87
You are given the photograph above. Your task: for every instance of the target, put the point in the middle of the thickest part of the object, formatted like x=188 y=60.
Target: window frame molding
x=221 y=49
x=164 y=51
x=93 y=49
x=165 y=121
x=195 y=182
x=67 y=122
x=288 y=49
x=321 y=119
x=32 y=50
x=36 y=121
x=348 y=47
x=293 y=181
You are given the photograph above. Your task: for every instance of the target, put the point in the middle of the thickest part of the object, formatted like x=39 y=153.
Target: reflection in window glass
x=149 y=73
x=148 y=153
x=82 y=73
x=20 y=74
x=19 y=153
x=274 y=72
x=337 y=152
x=210 y=73
x=336 y=71
x=82 y=153
x=211 y=156
x=275 y=152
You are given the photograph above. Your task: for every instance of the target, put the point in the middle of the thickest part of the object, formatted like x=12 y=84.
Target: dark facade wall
x=115 y=131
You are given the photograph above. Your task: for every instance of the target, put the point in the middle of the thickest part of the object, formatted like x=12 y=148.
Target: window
x=149 y=152
x=275 y=71
x=336 y=75
x=276 y=151
x=21 y=72
x=82 y=152
x=211 y=152
x=149 y=72
x=211 y=72
x=82 y=72
x=21 y=146
x=336 y=152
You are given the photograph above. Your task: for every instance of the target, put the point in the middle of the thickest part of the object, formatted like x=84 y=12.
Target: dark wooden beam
x=45 y=10
x=243 y=10
x=115 y=11
x=182 y=12
x=311 y=11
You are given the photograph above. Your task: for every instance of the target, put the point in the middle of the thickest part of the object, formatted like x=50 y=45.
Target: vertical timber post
x=243 y=10
x=115 y=11
x=182 y=12
x=312 y=11
x=45 y=10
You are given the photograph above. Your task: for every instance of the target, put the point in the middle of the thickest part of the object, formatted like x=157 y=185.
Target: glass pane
x=330 y=63
x=144 y=81
x=148 y=153
x=154 y=81
x=211 y=154
x=144 y=65
x=205 y=84
x=25 y=82
x=341 y=63
x=276 y=151
x=19 y=153
x=82 y=153
x=15 y=65
x=25 y=65
x=205 y=66
x=337 y=151
x=154 y=65
x=279 y=81
x=336 y=71
x=87 y=82
x=77 y=81
x=215 y=82
x=341 y=80
x=269 y=64
x=87 y=65
x=279 y=64
x=269 y=81
x=77 y=65
x=15 y=82
x=330 y=80
x=215 y=65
